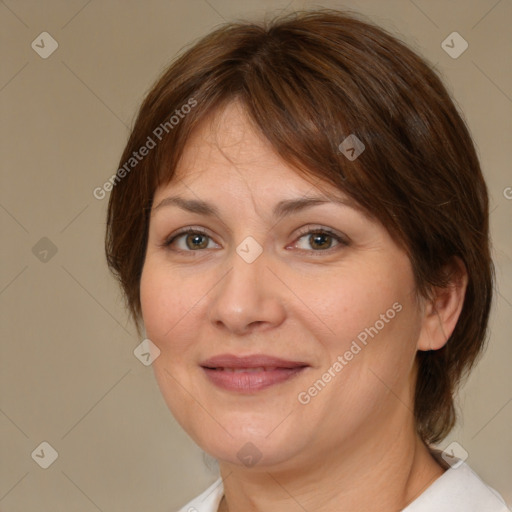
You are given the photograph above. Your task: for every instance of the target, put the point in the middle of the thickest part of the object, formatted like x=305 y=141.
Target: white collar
x=458 y=489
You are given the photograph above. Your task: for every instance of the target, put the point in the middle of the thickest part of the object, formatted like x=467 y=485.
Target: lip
x=249 y=374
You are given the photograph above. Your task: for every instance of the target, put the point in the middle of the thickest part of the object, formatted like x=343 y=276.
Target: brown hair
x=308 y=81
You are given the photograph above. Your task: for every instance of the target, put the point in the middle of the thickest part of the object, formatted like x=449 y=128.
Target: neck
x=385 y=475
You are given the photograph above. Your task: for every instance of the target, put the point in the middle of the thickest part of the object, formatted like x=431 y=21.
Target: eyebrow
x=281 y=209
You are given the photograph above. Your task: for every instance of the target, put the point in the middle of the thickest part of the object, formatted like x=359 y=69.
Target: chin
x=253 y=454
x=250 y=444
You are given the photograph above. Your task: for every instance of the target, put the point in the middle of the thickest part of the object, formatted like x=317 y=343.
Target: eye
x=321 y=239
x=192 y=238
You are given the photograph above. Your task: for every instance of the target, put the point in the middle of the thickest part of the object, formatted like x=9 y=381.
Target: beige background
x=68 y=373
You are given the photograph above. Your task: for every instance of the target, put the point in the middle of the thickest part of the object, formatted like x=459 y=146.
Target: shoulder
x=459 y=489
x=208 y=501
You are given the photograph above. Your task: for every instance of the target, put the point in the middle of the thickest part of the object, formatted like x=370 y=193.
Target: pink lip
x=249 y=373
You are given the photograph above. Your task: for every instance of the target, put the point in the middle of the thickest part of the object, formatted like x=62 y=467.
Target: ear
x=441 y=312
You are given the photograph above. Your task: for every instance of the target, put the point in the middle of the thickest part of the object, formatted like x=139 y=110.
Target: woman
x=301 y=223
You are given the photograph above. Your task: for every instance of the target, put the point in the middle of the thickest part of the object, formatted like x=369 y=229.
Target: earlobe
x=442 y=310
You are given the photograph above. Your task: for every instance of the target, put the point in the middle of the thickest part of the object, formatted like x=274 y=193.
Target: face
x=282 y=320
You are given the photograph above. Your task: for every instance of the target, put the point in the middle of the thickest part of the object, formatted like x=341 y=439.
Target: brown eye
x=193 y=239
x=320 y=240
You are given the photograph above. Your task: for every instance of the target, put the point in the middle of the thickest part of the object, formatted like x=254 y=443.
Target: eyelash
x=305 y=231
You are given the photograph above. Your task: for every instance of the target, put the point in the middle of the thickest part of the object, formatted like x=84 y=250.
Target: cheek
x=373 y=325
x=153 y=301
x=171 y=309
x=161 y=302
x=355 y=303
x=165 y=320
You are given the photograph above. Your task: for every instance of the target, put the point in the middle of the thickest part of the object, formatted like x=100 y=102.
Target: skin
x=353 y=447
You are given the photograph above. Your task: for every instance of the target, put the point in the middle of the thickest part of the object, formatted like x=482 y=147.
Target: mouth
x=250 y=374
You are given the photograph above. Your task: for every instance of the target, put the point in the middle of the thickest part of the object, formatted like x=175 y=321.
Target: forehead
x=227 y=139
x=226 y=149
x=227 y=160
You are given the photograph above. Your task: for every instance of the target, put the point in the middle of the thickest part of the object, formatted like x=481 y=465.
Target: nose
x=248 y=298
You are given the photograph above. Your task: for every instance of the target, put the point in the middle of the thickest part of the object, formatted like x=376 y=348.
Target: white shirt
x=458 y=489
